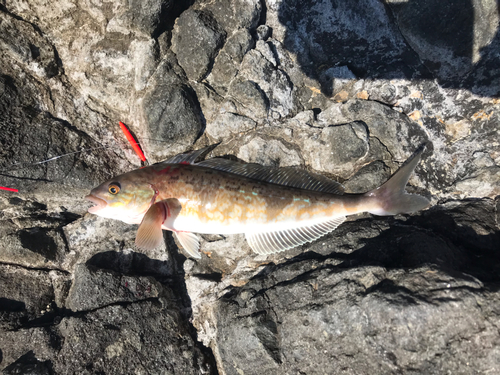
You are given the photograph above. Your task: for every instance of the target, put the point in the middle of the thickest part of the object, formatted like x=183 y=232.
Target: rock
x=233 y=15
x=331 y=87
x=325 y=35
x=21 y=304
x=25 y=44
x=28 y=364
x=227 y=63
x=273 y=82
x=250 y=99
x=346 y=147
x=93 y=288
x=197 y=31
x=269 y=152
x=263 y=32
x=173 y=119
x=228 y=124
x=453 y=54
x=170 y=113
x=117 y=339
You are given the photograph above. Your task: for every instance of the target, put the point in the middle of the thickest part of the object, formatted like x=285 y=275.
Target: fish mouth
x=99 y=203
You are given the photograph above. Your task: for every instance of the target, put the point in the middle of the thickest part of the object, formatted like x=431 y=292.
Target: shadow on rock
x=452 y=247
x=130 y=263
x=454 y=43
x=29 y=364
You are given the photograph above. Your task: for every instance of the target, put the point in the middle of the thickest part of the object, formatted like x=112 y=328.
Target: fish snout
x=99 y=203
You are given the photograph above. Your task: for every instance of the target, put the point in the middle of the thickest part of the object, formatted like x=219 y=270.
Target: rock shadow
x=456 y=250
x=131 y=264
x=29 y=364
x=454 y=43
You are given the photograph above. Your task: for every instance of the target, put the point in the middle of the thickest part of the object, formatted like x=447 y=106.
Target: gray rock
x=263 y=32
x=345 y=90
x=273 y=82
x=170 y=113
x=28 y=364
x=94 y=288
x=197 y=31
x=346 y=147
x=250 y=99
x=20 y=303
x=227 y=63
x=268 y=151
x=228 y=124
x=235 y=14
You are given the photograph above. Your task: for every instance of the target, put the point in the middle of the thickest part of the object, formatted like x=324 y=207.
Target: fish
x=276 y=208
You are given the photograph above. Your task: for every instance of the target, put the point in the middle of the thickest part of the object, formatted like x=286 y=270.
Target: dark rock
x=172 y=115
x=149 y=17
x=25 y=44
x=116 y=339
x=93 y=288
x=196 y=40
x=235 y=14
x=263 y=32
x=20 y=303
x=345 y=89
x=26 y=148
x=28 y=364
x=227 y=63
x=451 y=40
x=326 y=34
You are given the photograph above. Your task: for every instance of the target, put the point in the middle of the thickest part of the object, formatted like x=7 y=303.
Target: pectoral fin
x=159 y=216
x=150 y=233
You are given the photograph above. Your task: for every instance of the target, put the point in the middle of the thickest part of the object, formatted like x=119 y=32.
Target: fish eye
x=114 y=188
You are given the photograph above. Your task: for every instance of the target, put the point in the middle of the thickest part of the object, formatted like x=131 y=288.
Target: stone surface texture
x=348 y=89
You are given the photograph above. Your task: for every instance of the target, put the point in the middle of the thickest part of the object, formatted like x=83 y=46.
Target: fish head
x=123 y=198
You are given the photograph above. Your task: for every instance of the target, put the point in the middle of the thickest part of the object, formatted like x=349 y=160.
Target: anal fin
x=281 y=240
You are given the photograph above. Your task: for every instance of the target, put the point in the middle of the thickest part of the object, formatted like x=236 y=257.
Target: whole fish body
x=276 y=208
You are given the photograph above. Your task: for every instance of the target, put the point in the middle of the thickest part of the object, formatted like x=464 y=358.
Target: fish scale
x=230 y=203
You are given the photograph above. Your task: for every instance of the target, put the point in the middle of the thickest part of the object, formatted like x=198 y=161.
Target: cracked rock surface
x=337 y=88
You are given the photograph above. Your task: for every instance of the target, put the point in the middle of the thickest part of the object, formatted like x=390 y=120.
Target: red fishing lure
x=133 y=142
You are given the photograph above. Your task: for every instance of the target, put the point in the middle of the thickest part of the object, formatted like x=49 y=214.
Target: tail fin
x=391 y=196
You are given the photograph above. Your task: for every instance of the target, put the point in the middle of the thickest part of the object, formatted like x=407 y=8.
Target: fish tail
x=391 y=198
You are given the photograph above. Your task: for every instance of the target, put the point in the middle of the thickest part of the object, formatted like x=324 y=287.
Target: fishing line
x=133 y=141
x=23 y=165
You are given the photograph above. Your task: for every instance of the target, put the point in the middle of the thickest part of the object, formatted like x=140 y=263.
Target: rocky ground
x=345 y=88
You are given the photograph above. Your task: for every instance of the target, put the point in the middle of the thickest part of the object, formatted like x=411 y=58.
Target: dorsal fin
x=191 y=156
x=289 y=176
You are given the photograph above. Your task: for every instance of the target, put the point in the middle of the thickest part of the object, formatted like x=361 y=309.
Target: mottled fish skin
x=203 y=199
x=219 y=202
